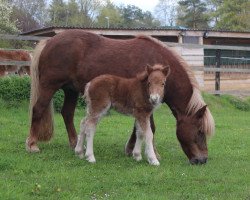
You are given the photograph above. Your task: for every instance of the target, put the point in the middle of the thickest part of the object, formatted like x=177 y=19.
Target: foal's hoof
x=31 y=148
x=137 y=156
x=79 y=152
x=91 y=159
x=154 y=162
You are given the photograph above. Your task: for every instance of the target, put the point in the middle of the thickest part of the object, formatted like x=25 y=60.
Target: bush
x=240 y=104
x=15 y=89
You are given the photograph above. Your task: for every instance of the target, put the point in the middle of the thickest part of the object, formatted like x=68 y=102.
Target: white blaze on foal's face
x=156 y=83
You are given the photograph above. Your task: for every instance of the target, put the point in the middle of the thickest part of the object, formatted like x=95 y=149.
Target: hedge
x=15 y=89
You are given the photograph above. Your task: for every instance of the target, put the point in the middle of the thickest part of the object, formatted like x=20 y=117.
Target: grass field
x=56 y=173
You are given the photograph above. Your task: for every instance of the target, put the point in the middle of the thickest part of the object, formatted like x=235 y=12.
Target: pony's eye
x=163 y=84
x=149 y=84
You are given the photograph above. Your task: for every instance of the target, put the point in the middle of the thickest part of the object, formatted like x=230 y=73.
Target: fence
x=231 y=63
x=213 y=64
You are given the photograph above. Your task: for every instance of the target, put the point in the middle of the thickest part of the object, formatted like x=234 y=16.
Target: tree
x=73 y=14
x=58 y=13
x=165 y=10
x=109 y=15
x=233 y=15
x=192 y=14
x=88 y=11
x=29 y=14
x=134 y=17
x=6 y=25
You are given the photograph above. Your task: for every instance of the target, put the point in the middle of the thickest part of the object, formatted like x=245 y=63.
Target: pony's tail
x=45 y=130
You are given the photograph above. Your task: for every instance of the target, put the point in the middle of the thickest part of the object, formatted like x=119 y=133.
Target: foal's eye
x=149 y=84
x=163 y=84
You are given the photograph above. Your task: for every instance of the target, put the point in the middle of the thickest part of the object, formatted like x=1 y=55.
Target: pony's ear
x=200 y=113
x=166 y=70
x=149 y=69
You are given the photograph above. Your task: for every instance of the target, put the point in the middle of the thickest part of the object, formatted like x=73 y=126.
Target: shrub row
x=15 y=89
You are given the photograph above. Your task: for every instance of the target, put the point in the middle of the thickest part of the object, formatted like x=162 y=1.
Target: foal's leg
x=138 y=144
x=132 y=140
x=68 y=110
x=81 y=137
x=95 y=110
x=147 y=134
x=87 y=130
x=149 y=147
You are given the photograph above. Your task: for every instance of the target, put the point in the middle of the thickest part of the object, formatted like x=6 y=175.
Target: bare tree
x=165 y=11
x=89 y=10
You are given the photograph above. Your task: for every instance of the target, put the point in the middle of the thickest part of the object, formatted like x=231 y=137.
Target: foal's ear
x=142 y=76
x=166 y=70
x=149 y=68
x=200 y=113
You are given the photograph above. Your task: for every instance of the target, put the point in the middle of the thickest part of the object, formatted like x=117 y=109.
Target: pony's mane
x=196 y=101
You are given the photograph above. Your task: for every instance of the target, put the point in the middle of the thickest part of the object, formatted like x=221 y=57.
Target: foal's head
x=155 y=77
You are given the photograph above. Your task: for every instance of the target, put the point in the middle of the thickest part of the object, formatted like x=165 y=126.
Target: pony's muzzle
x=196 y=161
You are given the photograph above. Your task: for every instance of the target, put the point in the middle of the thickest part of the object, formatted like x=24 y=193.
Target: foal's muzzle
x=155 y=99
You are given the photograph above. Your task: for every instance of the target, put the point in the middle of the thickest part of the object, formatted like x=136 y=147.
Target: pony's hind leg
x=70 y=101
x=38 y=112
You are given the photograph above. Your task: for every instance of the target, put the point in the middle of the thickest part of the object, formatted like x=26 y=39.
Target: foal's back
x=108 y=90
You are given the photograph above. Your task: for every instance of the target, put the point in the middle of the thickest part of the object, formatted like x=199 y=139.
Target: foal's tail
x=45 y=131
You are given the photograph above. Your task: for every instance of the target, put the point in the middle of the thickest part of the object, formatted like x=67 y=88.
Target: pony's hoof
x=137 y=156
x=73 y=143
x=31 y=148
x=154 y=162
x=128 y=149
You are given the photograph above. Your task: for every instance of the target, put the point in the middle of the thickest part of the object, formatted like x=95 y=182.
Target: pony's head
x=192 y=135
x=155 y=77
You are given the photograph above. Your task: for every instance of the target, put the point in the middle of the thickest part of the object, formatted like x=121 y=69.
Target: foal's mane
x=196 y=101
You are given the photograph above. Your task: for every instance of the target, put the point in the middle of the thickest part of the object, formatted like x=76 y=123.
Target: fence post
x=217 y=74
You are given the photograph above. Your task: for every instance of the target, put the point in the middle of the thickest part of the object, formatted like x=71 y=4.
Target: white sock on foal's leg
x=149 y=148
x=138 y=143
x=137 y=149
x=81 y=137
x=90 y=132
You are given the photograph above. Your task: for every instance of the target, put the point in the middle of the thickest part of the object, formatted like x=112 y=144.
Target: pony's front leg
x=149 y=147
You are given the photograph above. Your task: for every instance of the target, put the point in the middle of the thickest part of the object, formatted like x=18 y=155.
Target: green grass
x=56 y=173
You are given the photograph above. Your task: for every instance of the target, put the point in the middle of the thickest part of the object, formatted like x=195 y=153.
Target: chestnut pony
x=17 y=55
x=137 y=96
x=70 y=59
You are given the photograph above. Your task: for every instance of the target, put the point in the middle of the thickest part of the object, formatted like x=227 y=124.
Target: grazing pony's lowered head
x=191 y=136
x=155 y=78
